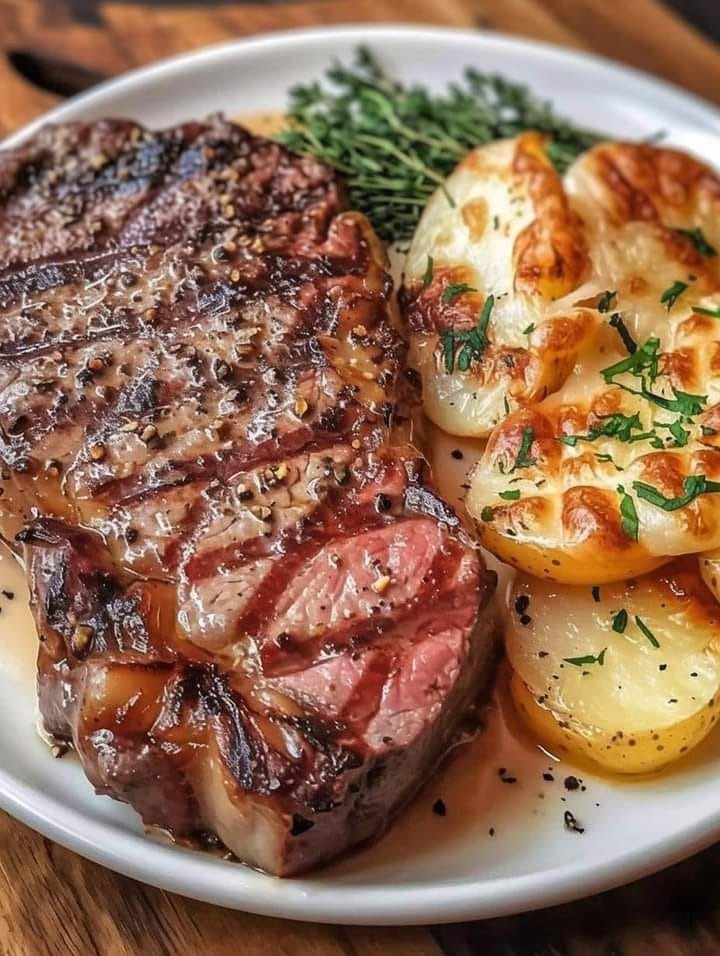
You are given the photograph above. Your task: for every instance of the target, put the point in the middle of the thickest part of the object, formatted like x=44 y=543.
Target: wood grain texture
x=51 y=901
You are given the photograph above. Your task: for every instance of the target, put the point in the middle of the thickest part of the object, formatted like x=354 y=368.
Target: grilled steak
x=257 y=619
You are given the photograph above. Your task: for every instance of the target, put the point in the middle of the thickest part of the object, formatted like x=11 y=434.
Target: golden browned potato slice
x=627 y=675
x=651 y=219
x=633 y=230
x=590 y=487
x=493 y=288
x=622 y=470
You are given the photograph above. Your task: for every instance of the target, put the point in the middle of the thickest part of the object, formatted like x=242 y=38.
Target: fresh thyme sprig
x=396 y=144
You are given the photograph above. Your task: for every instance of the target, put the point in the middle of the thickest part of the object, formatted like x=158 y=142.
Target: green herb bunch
x=396 y=144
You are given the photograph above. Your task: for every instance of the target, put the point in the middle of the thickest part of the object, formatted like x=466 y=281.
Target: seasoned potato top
x=513 y=272
x=625 y=674
x=493 y=287
x=580 y=319
x=613 y=475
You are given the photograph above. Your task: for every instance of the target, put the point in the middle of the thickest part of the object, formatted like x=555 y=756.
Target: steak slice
x=257 y=619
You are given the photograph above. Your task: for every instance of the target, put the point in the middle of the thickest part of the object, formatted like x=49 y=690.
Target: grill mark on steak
x=290 y=656
x=198 y=383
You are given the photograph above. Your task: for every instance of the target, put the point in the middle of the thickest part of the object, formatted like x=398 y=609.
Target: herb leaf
x=680 y=434
x=522 y=460
x=693 y=487
x=628 y=515
x=619 y=622
x=448 y=344
x=473 y=341
x=487 y=514
x=643 y=359
x=454 y=289
x=509 y=495
x=683 y=402
x=587 y=659
x=673 y=293
x=713 y=313
x=647 y=632
x=608 y=459
x=428 y=274
x=644 y=362
x=614 y=426
x=698 y=239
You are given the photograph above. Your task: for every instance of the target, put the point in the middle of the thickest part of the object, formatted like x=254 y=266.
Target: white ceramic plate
x=428 y=868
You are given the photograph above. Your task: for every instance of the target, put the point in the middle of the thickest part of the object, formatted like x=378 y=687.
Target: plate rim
x=363 y=32
x=240 y=887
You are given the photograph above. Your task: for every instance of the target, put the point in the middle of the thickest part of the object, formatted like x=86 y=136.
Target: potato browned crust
x=509 y=232
x=550 y=254
x=651 y=220
x=546 y=248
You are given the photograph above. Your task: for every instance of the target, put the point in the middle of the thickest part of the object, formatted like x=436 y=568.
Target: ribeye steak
x=257 y=619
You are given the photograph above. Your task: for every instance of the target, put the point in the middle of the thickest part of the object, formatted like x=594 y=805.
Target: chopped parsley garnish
x=628 y=515
x=613 y=426
x=487 y=514
x=428 y=274
x=643 y=360
x=683 y=403
x=530 y=328
x=698 y=239
x=473 y=341
x=680 y=434
x=587 y=659
x=455 y=289
x=619 y=622
x=506 y=405
x=522 y=460
x=713 y=313
x=693 y=487
x=509 y=495
x=628 y=341
x=448 y=344
x=647 y=632
x=607 y=301
x=673 y=293
x=609 y=459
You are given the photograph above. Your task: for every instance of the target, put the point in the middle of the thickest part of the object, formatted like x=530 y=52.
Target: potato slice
x=612 y=484
x=500 y=227
x=626 y=675
x=651 y=219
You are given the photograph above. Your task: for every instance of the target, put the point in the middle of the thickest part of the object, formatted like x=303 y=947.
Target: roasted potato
x=651 y=220
x=630 y=236
x=624 y=457
x=625 y=675
x=621 y=469
x=493 y=287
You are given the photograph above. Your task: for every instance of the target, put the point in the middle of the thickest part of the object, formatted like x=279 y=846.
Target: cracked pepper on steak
x=257 y=619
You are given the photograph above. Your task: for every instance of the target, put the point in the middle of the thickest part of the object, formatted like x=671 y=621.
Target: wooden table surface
x=51 y=901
